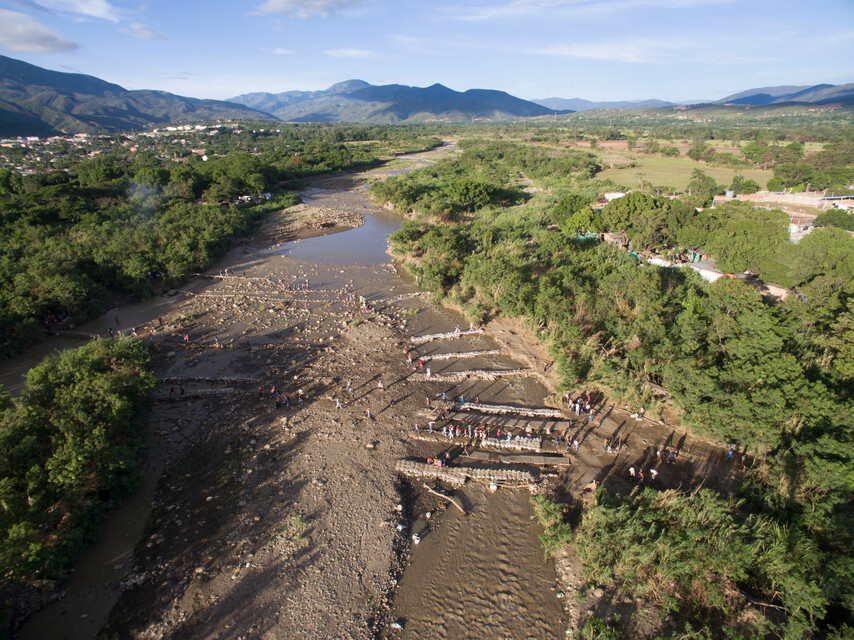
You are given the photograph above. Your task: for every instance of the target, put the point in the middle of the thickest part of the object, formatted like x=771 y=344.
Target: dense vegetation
x=69 y=449
x=701 y=559
x=124 y=221
x=775 y=378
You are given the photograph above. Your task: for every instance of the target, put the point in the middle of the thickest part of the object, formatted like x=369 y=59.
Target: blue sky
x=596 y=49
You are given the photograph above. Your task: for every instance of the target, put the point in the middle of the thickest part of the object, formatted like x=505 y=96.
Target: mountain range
x=819 y=93
x=579 y=104
x=36 y=101
x=358 y=101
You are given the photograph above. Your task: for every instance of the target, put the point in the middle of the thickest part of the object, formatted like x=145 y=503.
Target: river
x=92 y=589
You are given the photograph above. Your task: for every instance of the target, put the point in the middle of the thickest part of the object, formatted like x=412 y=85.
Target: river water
x=363 y=246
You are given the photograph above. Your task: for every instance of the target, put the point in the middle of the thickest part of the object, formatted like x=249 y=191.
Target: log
x=448 y=498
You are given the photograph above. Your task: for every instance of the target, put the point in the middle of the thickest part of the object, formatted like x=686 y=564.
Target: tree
x=740 y=184
x=703 y=187
x=574 y=215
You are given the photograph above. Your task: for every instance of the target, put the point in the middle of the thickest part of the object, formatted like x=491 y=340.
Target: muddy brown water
x=478 y=576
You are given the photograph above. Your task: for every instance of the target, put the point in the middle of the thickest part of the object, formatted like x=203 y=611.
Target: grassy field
x=672 y=172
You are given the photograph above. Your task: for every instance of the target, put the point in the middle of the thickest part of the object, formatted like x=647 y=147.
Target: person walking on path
x=731 y=453
x=368 y=414
x=337 y=403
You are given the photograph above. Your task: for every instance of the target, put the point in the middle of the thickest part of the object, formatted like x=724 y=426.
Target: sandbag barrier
x=521 y=443
x=505 y=409
x=458 y=475
x=460 y=376
x=443 y=336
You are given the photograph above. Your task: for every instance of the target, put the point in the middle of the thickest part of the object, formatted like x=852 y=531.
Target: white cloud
x=305 y=8
x=518 y=8
x=91 y=8
x=350 y=53
x=279 y=51
x=19 y=32
x=612 y=52
x=144 y=32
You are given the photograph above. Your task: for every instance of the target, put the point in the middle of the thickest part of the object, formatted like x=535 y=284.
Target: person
x=409 y=359
x=368 y=413
x=349 y=386
x=457 y=328
x=632 y=472
x=380 y=385
x=216 y=342
x=471 y=326
x=575 y=444
x=731 y=453
x=337 y=403
x=640 y=476
x=653 y=474
x=607 y=442
x=477 y=399
x=428 y=373
x=417 y=430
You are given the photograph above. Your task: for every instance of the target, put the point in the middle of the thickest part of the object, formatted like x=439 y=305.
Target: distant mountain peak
x=358 y=101
x=347 y=86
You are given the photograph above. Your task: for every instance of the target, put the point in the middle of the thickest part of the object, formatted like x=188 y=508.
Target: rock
x=598 y=593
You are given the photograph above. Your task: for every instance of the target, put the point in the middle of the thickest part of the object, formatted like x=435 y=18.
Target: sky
x=677 y=50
